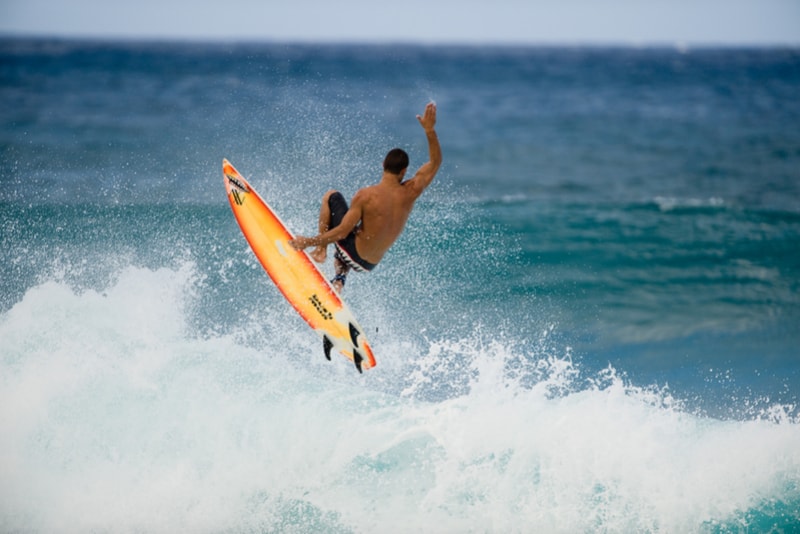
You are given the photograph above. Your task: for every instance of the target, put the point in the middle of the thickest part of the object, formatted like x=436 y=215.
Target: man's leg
x=341 y=273
x=320 y=253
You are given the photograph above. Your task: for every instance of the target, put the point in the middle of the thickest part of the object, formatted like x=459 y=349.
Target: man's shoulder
x=366 y=192
x=365 y=195
x=374 y=190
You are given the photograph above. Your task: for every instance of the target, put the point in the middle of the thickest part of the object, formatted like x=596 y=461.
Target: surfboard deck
x=295 y=274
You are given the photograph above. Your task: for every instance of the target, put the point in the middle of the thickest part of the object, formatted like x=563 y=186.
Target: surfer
x=365 y=230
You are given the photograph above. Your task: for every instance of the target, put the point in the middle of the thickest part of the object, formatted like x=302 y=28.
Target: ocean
x=590 y=324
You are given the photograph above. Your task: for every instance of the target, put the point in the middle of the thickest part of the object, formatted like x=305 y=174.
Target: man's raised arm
x=424 y=176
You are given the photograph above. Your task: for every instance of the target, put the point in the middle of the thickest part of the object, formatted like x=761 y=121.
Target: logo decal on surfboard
x=323 y=311
x=239 y=186
x=237 y=197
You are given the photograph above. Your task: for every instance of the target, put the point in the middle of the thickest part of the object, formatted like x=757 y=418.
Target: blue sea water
x=589 y=325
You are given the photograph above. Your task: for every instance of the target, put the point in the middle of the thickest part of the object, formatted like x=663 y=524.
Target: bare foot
x=319 y=254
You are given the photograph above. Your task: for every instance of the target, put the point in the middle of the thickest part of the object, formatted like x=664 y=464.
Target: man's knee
x=337 y=204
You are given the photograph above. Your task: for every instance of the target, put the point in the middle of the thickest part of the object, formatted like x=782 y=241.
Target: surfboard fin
x=327 y=345
x=353 y=334
x=357 y=359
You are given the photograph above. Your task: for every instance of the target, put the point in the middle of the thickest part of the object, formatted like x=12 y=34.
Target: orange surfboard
x=295 y=273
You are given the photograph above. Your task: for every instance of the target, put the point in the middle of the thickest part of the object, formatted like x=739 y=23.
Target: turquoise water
x=589 y=325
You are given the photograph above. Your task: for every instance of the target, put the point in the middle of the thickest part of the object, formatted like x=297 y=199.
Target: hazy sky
x=424 y=21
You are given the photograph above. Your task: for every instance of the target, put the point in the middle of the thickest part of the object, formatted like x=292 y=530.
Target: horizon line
x=678 y=44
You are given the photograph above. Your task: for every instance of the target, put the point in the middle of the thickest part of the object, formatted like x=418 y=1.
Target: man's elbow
x=436 y=162
x=340 y=233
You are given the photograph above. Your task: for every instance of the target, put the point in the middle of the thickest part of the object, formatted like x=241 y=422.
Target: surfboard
x=295 y=274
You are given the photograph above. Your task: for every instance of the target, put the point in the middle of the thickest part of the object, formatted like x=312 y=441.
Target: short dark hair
x=396 y=161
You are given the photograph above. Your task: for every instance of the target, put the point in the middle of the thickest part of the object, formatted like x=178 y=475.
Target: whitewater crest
x=118 y=414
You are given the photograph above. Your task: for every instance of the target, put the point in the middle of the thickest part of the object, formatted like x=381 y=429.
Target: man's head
x=396 y=161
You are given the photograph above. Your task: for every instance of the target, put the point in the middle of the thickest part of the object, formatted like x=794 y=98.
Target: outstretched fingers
x=428 y=119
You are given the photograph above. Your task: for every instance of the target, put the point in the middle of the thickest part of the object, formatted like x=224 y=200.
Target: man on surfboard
x=365 y=230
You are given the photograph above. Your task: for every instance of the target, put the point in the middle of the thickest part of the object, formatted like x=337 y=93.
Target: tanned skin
x=378 y=212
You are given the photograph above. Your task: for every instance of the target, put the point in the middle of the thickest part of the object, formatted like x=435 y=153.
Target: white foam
x=115 y=416
x=673 y=203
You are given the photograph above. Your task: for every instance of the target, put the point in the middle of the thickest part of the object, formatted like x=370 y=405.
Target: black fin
x=327 y=345
x=354 y=335
x=357 y=359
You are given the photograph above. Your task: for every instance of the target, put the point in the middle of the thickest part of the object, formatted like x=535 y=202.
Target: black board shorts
x=346 y=248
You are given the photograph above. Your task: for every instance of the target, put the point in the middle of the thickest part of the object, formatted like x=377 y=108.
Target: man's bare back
x=378 y=213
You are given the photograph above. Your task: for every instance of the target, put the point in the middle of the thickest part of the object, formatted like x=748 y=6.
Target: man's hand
x=428 y=120
x=299 y=243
